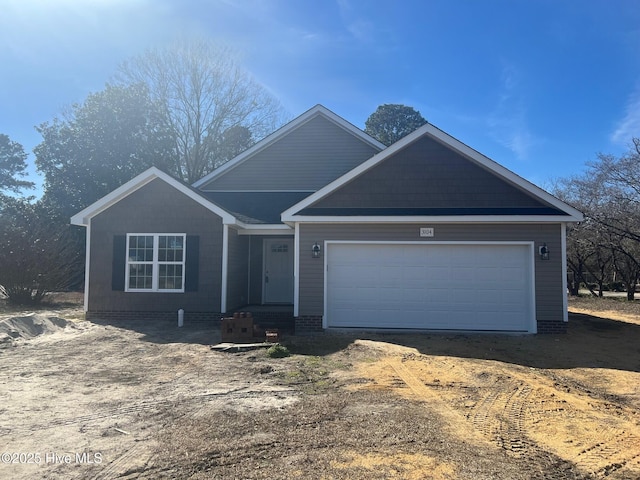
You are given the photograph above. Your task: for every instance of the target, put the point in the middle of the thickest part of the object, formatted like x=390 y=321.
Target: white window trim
x=156 y=263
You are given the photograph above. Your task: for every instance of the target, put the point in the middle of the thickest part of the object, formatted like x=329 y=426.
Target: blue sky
x=538 y=86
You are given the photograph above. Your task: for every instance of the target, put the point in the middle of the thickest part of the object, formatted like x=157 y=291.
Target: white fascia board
x=436 y=219
x=262 y=229
x=82 y=218
x=282 y=132
x=437 y=134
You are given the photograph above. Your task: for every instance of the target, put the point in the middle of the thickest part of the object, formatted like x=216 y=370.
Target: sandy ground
x=135 y=400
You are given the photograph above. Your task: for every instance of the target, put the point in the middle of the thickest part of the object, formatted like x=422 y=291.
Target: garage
x=440 y=286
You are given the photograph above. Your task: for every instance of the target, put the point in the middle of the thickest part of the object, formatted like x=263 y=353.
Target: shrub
x=278 y=351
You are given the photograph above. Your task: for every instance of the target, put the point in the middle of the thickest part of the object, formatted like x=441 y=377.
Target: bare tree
x=205 y=93
x=626 y=260
x=608 y=241
x=581 y=249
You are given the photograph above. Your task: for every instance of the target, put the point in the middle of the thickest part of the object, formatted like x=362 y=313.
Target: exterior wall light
x=315 y=250
x=544 y=252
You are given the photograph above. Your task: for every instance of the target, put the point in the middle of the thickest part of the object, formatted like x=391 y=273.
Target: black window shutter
x=118 y=266
x=192 y=264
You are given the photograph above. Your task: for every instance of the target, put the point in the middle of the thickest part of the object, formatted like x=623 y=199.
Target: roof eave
x=292 y=219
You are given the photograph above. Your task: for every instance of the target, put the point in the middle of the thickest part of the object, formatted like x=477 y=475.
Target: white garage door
x=434 y=286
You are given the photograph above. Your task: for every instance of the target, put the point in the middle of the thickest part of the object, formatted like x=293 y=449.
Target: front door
x=278 y=270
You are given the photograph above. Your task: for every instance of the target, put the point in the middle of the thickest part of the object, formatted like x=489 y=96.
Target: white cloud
x=508 y=122
x=359 y=28
x=629 y=126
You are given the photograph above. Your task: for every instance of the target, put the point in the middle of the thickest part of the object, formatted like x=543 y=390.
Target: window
x=155 y=262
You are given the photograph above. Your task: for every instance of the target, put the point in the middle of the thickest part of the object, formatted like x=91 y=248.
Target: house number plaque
x=426 y=231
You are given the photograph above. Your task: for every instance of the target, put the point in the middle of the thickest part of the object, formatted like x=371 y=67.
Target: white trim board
x=296 y=270
x=264 y=229
x=225 y=268
x=497 y=219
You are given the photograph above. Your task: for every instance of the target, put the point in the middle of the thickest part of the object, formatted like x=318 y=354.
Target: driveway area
x=137 y=400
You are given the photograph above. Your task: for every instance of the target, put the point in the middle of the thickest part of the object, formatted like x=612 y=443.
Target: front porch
x=271 y=316
x=259 y=272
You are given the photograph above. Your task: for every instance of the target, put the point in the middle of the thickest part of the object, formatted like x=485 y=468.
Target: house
x=424 y=234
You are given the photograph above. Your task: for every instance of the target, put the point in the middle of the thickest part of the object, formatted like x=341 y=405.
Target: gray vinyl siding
x=548 y=273
x=428 y=174
x=316 y=153
x=237 y=271
x=155 y=208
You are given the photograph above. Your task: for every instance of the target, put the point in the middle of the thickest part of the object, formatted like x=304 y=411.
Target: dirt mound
x=30 y=326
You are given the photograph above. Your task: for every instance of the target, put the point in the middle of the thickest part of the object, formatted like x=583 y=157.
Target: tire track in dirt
x=529 y=414
x=614 y=450
x=500 y=416
x=611 y=438
x=135 y=460
x=611 y=448
x=151 y=405
x=420 y=390
x=523 y=406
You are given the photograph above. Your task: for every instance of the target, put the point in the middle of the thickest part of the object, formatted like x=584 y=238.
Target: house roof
x=264 y=209
x=82 y=218
x=256 y=207
x=555 y=211
x=310 y=114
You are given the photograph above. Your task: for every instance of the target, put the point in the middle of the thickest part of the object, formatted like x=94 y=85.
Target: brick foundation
x=551 y=327
x=283 y=321
x=302 y=325
x=116 y=315
x=308 y=324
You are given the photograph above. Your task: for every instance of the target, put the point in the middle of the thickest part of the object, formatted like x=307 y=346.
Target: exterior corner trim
x=225 y=268
x=296 y=270
x=87 y=266
x=563 y=243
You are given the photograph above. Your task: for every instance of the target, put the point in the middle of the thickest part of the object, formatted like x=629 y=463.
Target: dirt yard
x=81 y=400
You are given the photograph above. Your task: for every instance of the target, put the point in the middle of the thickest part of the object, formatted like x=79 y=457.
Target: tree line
x=186 y=109
x=603 y=252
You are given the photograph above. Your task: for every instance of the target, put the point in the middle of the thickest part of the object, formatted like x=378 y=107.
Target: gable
x=305 y=159
x=150 y=175
x=154 y=207
x=430 y=176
